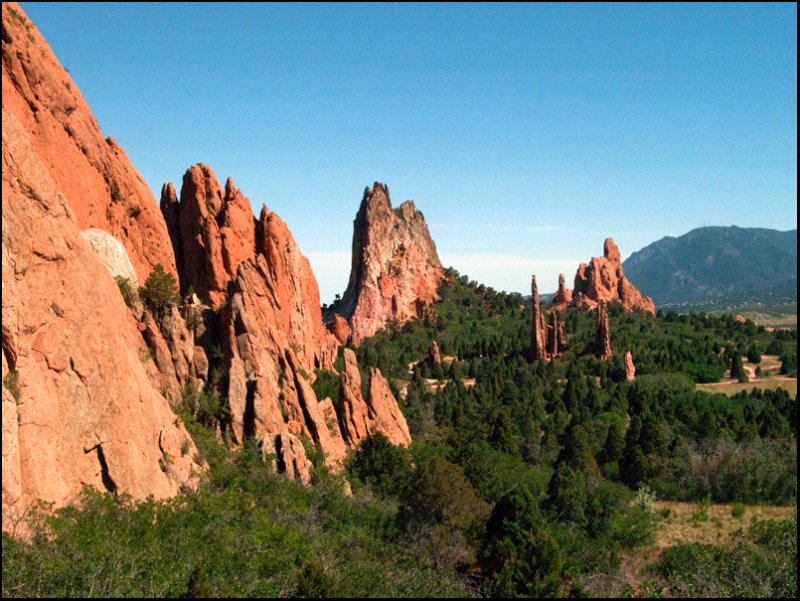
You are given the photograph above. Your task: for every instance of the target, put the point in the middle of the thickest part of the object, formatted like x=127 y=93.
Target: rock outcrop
x=212 y=231
x=548 y=338
x=434 y=355
x=563 y=295
x=78 y=406
x=603 y=281
x=378 y=413
x=340 y=329
x=602 y=333
x=93 y=174
x=272 y=335
x=395 y=270
x=630 y=368
x=538 y=325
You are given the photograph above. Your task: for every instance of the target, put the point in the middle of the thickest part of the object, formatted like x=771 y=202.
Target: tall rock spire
x=395 y=271
x=602 y=333
x=538 y=325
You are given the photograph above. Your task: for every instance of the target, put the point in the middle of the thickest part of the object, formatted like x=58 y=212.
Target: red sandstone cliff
x=101 y=187
x=395 y=270
x=272 y=335
x=78 y=406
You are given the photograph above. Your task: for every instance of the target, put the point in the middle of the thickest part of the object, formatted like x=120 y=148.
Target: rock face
x=395 y=271
x=378 y=413
x=602 y=333
x=212 y=231
x=93 y=174
x=111 y=253
x=630 y=368
x=272 y=335
x=78 y=406
x=603 y=280
x=340 y=329
x=563 y=296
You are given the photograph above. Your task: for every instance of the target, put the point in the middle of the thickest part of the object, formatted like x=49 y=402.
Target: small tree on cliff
x=159 y=289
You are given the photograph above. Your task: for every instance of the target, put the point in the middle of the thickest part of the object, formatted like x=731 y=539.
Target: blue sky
x=525 y=134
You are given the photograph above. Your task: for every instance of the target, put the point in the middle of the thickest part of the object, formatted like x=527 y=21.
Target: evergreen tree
x=519 y=556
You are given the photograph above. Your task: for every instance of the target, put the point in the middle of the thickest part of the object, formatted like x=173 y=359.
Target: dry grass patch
x=687 y=523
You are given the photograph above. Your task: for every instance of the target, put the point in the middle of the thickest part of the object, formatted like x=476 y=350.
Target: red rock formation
x=630 y=368
x=78 y=406
x=538 y=325
x=272 y=336
x=563 y=296
x=434 y=355
x=212 y=232
x=92 y=172
x=603 y=280
x=379 y=413
x=340 y=329
x=548 y=339
x=602 y=333
x=395 y=272
x=269 y=389
x=553 y=334
x=288 y=456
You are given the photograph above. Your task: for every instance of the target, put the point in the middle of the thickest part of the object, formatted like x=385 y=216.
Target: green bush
x=126 y=290
x=326 y=385
x=159 y=290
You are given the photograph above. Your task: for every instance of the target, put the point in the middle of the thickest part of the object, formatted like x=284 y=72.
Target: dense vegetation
x=717 y=263
x=525 y=479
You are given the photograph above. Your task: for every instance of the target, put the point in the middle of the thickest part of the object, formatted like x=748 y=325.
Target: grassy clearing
x=687 y=523
x=770 y=366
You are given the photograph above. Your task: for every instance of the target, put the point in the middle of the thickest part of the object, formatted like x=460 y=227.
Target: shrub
x=159 y=290
x=11 y=383
x=738 y=510
x=519 y=555
x=126 y=290
x=326 y=384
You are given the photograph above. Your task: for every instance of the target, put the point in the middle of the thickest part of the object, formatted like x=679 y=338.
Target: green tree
x=519 y=556
x=159 y=289
x=737 y=369
x=384 y=467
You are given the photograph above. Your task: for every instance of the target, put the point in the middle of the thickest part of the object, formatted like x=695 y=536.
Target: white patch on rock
x=111 y=253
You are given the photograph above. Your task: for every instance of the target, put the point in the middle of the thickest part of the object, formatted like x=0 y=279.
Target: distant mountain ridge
x=717 y=264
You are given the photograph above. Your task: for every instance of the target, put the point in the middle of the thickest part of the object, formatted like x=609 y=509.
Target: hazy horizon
x=525 y=134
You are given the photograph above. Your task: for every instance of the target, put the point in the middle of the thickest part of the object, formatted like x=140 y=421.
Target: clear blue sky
x=526 y=134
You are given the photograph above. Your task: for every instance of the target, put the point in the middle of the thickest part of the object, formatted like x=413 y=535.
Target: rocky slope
x=603 y=280
x=93 y=174
x=395 y=269
x=80 y=406
x=89 y=372
x=255 y=279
